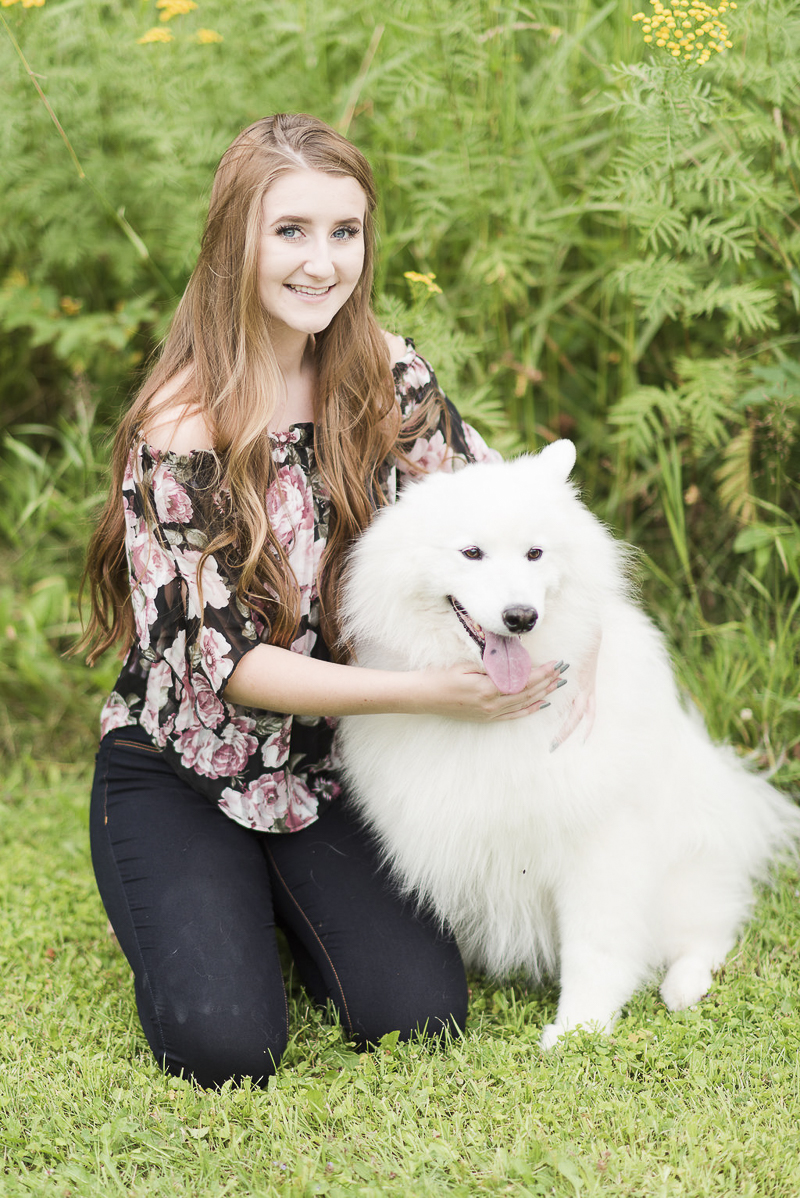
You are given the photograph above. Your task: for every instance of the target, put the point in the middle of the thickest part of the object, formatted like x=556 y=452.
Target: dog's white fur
x=627 y=849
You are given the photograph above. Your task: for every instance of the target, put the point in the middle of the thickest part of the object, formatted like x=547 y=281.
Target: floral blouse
x=266 y=770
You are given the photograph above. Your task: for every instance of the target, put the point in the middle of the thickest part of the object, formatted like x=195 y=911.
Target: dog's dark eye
x=534 y=555
x=473 y=553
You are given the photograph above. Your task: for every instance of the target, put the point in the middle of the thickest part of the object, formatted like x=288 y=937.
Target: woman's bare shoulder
x=397 y=347
x=178 y=426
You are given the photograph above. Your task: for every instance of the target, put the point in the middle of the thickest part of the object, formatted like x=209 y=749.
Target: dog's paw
x=688 y=980
x=553 y=1032
x=550 y=1036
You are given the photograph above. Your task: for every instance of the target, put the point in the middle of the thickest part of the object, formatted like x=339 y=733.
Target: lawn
x=705 y=1102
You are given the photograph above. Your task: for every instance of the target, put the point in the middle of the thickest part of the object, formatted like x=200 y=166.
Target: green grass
x=706 y=1102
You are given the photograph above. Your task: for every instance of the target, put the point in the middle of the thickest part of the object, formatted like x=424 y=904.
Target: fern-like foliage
x=616 y=234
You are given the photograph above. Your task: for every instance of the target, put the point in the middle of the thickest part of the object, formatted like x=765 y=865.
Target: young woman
x=277 y=420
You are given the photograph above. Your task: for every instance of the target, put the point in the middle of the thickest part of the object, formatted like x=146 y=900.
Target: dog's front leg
x=595 y=985
x=605 y=926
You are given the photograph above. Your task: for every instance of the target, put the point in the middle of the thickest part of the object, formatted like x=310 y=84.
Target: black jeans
x=194 y=899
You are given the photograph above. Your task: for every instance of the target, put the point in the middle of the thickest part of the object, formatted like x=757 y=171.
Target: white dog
x=635 y=844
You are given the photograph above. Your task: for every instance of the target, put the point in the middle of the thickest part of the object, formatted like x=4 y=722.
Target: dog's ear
x=557 y=459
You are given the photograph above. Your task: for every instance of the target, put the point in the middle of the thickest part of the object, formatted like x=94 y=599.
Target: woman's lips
x=310 y=294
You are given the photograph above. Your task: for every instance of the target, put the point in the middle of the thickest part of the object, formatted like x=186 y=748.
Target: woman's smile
x=311 y=253
x=310 y=292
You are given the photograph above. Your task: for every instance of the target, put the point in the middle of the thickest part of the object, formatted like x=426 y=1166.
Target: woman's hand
x=582 y=706
x=465 y=692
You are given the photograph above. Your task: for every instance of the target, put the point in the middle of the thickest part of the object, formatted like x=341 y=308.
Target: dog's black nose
x=520 y=619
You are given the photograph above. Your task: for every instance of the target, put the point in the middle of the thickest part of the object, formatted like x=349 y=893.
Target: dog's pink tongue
x=506 y=662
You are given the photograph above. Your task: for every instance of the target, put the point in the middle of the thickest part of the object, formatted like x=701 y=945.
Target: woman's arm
x=279 y=680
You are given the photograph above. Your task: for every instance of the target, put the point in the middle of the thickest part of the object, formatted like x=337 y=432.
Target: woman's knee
x=411 y=1010
x=213 y=1065
x=214 y=1056
x=213 y=1044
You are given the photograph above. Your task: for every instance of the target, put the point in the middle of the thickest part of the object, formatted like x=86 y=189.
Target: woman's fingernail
x=564 y=667
x=561 y=682
x=557 y=667
x=543 y=705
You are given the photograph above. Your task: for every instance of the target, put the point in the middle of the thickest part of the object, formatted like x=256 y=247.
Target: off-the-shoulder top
x=267 y=770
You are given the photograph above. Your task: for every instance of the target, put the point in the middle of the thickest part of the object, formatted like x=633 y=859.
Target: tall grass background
x=616 y=236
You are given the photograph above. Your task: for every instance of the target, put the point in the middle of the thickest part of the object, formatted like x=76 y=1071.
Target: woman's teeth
x=309 y=290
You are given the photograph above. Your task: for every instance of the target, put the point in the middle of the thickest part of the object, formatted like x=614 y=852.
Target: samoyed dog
x=595 y=854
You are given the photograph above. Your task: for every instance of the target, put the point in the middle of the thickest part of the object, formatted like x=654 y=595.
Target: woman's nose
x=319 y=263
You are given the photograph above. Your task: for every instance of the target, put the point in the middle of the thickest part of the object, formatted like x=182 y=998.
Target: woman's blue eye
x=294 y=232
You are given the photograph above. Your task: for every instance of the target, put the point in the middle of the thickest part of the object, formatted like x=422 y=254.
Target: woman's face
x=312 y=248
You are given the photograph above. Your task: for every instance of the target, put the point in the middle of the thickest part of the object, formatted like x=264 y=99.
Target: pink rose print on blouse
x=290 y=506
x=275 y=749
x=151 y=567
x=305 y=643
x=186 y=717
x=215 y=593
x=269 y=801
x=173 y=505
x=478 y=447
x=115 y=714
x=128 y=481
x=218 y=756
x=176 y=653
x=196 y=749
x=198 y=700
x=303 y=805
x=236 y=749
x=281 y=443
x=210 y=709
x=260 y=805
x=175 y=656
x=199 y=704
x=144 y=615
x=159 y=681
x=131 y=521
x=213 y=648
x=431 y=453
x=416 y=375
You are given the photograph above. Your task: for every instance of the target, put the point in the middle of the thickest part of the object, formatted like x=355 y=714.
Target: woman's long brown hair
x=220 y=332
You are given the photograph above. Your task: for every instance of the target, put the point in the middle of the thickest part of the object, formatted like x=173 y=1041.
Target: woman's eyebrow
x=307 y=220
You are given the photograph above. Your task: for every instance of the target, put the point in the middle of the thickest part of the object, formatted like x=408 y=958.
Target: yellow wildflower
x=155 y=35
x=32 y=3
x=7 y=3
x=688 y=21
x=426 y=280
x=207 y=36
x=175 y=8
